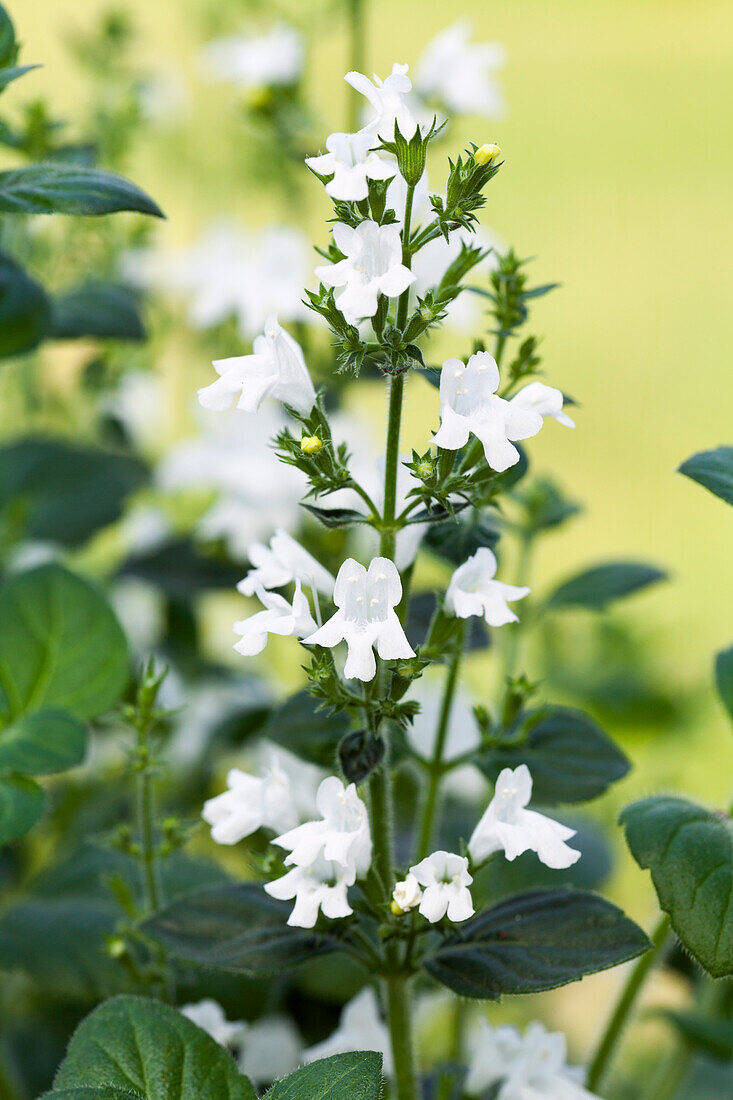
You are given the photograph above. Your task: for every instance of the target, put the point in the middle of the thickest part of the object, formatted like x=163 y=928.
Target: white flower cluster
x=532 y=1066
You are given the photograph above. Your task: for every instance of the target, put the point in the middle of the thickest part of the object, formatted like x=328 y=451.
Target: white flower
x=322 y=885
x=446 y=879
x=272 y=1048
x=372 y=266
x=545 y=400
x=256 y=61
x=276 y=369
x=462 y=75
x=250 y=803
x=469 y=403
x=360 y=1028
x=507 y=826
x=365 y=599
x=407 y=893
x=279 y=617
x=209 y=1016
x=530 y=1067
x=351 y=163
x=342 y=836
x=283 y=561
x=473 y=590
x=387 y=98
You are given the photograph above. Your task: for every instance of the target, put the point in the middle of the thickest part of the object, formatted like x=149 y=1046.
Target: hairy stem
x=146 y=826
x=400 y=1028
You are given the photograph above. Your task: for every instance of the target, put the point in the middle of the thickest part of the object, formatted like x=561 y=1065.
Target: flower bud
x=311 y=444
x=485 y=154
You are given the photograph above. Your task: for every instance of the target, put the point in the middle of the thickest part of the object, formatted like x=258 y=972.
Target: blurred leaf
x=12 y=72
x=237 y=927
x=8 y=44
x=454 y=541
x=152 y=1052
x=713 y=470
x=545 y=505
x=596 y=588
x=97 y=309
x=181 y=570
x=714 y=1035
x=311 y=734
x=724 y=678
x=353 y=1076
x=25 y=310
x=43 y=743
x=360 y=752
x=21 y=804
x=105 y=1092
x=335 y=517
x=535 y=941
x=60 y=645
x=570 y=757
x=70 y=189
x=689 y=851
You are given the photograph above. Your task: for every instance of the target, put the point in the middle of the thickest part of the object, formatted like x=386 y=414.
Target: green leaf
x=12 y=72
x=570 y=757
x=43 y=743
x=535 y=941
x=335 y=517
x=70 y=189
x=310 y=733
x=596 y=588
x=8 y=44
x=97 y=309
x=354 y=1076
x=180 y=569
x=25 y=310
x=455 y=541
x=151 y=1050
x=235 y=927
x=713 y=1035
x=60 y=645
x=21 y=804
x=724 y=678
x=83 y=1093
x=713 y=470
x=689 y=851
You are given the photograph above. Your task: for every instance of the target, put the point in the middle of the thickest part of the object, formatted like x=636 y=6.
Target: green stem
x=357 y=58
x=146 y=827
x=8 y=1091
x=380 y=789
x=512 y=647
x=400 y=1028
x=619 y=1018
x=388 y=536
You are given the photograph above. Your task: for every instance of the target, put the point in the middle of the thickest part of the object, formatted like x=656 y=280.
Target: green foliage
x=303 y=726
x=70 y=189
x=535 y=941
x=713 y=470
x=97 y=309
x=43 y=743
x=711 y=1034
x=181 y=569
x=724 y=678
x=354 y=1076
x=25 y=311
x=689 y=851
x=596 y=588
x=455 y=540
x=8 y=44
x=21 y=804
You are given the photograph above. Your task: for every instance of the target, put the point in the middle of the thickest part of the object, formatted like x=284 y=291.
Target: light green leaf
x=713 y=470
x=354 y=1076
x=724 y=678
x=21 y=804
x=42 y=743
x=597 y=587
x=70 y=189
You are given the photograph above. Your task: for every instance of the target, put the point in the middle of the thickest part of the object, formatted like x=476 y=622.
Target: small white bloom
x=530 y=1067
x=279 y=617
x=473 y=590
x=387 y=98
x=361 y=1027
x=545 y=400
x=283 y=561
x=276 y=369
x=508 y=826
x=372 y=266
x=250 y=803
x=365 y=599
x=342 y=836
x=469 y=403
x=256 y=61
x=351 y=162
x=461 y=74
x=407 y=893
x=272 y=1048
x=322 y=885
x=446 y=879
x=209 y=1016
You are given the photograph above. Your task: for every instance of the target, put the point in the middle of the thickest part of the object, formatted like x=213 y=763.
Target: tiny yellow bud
x=487 y=153
x=311 y=444
x=257 y=99
x=396 y=909
x=116 y=947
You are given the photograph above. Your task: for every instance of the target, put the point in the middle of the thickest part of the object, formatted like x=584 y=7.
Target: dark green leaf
x=97 y=309
x=354 y=1076
x=724 y=678
x=181 y=570
x=70 y=189
x=310 y=733
x=8 y=44
x=456 y=541
x=83 y=1093
x=25 y=311
x=535 y=941
x=714 y=1035
x=151 y=1050
x=21 y=804
x=60 y=645
x=43 y=743
x=335 y=517
x=689 y=851
x=12 y=72
x=596 y=588
x=570 y=757
x=236 y=928
x=360 y=752
x=713 y=470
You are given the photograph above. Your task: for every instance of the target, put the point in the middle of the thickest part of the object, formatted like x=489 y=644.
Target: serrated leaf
x=689 y=851
x=150 y=1049
x=21 y=804
x=103 y=310
x=353 y=1076
x=235 y=927
x=43 y=743
x=25 y=310
x=299 y=726
x=84 y=1093
x=597 y=587
x=535 y=941
x=713 y=470
x=570 y=757
x=55 y=188
x=724 y=678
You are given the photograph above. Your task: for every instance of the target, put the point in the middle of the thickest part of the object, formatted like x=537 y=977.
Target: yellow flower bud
x=257 y=99
x=487 y=153
x=396 y=909
x=311 y=444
